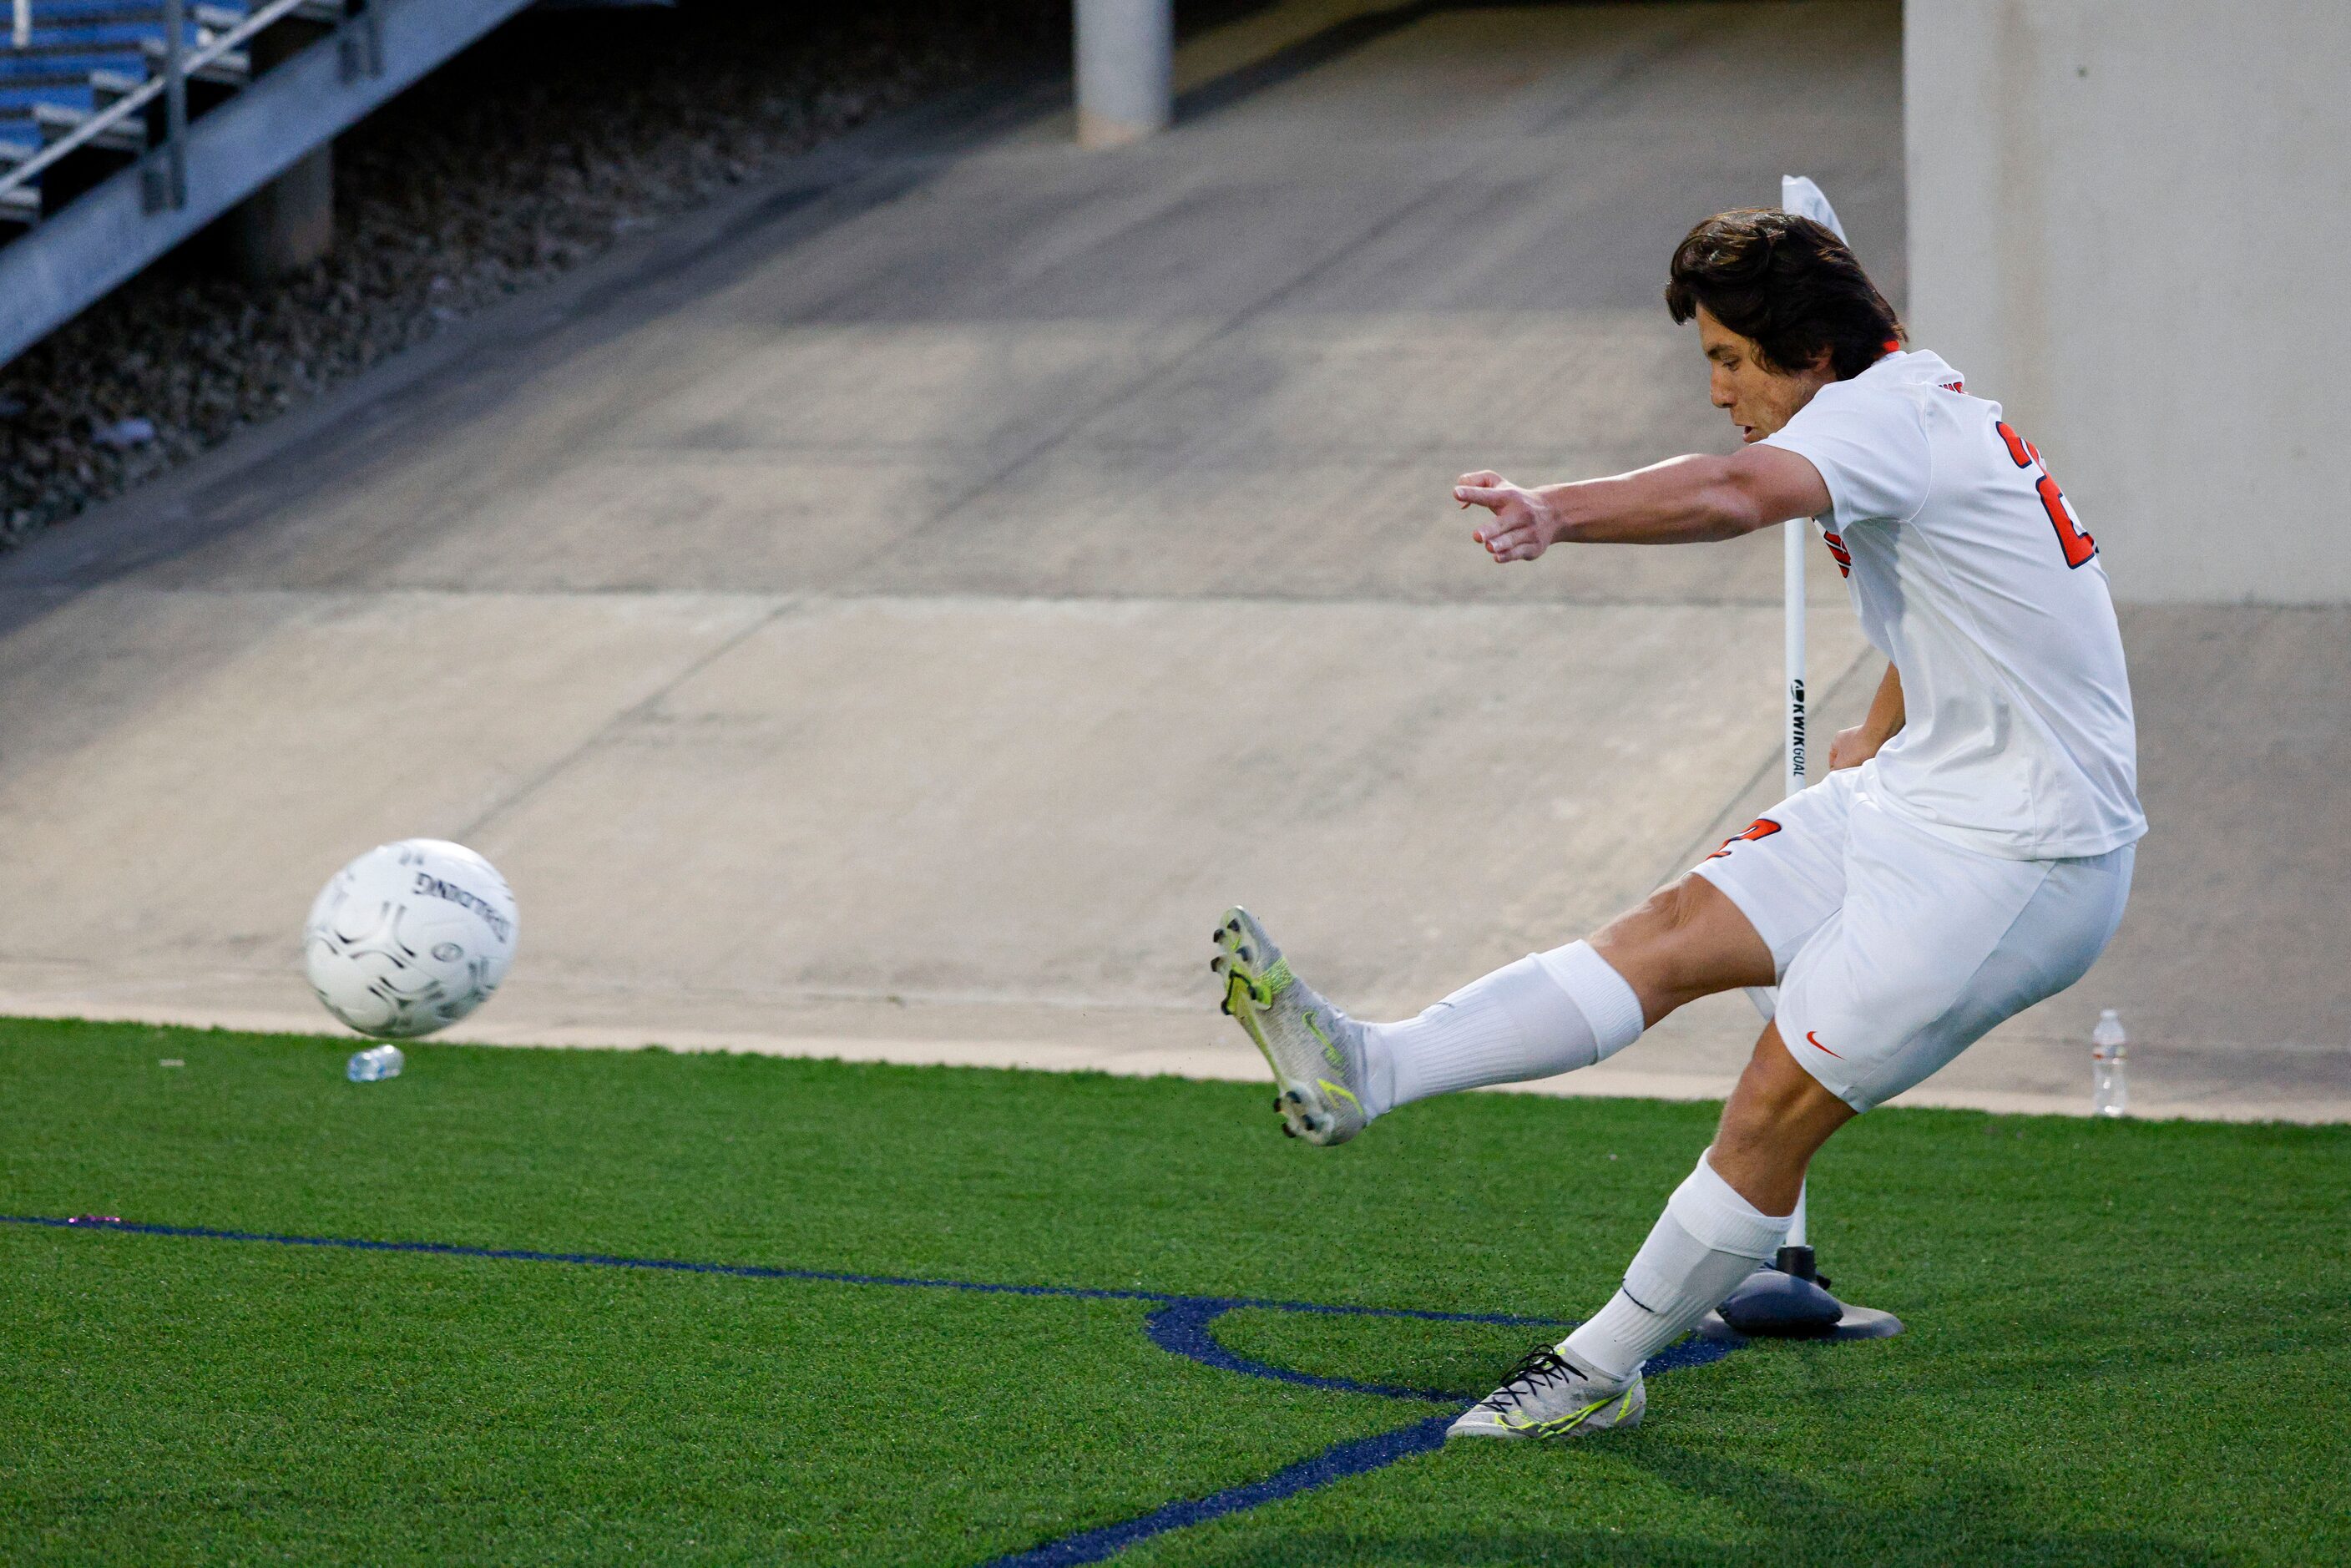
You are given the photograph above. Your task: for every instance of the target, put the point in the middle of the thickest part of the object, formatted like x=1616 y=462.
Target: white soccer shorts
x=1895 y=949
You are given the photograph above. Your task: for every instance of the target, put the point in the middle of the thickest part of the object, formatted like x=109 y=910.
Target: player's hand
x=1852 y=747
x=1519 y=528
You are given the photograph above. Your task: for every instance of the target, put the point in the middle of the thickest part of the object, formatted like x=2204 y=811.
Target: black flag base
x=1789 y=1300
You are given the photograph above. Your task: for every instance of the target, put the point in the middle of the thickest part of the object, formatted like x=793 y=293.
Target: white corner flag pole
x=1781 y=1297
x=1798 y=194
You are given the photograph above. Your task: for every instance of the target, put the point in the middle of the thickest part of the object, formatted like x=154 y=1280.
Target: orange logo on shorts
x=1762 y=828
x=1818 y=1046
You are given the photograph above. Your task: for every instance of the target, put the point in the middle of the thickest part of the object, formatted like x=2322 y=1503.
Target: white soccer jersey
x=1971 y=571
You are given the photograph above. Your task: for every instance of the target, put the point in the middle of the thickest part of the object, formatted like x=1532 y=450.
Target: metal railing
x=168 y=185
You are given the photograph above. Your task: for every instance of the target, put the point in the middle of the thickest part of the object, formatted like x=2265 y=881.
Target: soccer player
x=1967 y=854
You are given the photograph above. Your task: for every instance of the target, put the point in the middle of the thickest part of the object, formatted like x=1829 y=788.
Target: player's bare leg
x=1686 y=941
x=1776 y=1120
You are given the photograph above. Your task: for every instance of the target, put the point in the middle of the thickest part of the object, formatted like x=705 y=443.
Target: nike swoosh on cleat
x=1818 y=1046
x=1558 y=1425
x=1330 y=1052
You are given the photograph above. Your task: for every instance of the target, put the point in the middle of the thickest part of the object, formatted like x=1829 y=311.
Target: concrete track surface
x=893 y=615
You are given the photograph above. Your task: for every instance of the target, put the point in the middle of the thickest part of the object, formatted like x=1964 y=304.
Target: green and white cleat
x=1547 y=1396
x=1316 y=1051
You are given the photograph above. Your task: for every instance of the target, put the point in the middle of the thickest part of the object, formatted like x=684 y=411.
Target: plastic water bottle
x=376 y=1062
x=2109 y=1090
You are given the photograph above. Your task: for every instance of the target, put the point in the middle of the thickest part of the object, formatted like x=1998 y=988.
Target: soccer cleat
x=1316 y=1051
x=1547 y=1396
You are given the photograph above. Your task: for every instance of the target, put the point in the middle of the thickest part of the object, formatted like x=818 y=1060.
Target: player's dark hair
x=1788 y=283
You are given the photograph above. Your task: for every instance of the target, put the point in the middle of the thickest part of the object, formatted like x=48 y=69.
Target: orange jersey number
x=1761 y=828
x=2078 y=546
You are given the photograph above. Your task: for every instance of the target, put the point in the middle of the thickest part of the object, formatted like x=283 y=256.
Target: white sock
x=1707 y=1240
x=1548 y=1013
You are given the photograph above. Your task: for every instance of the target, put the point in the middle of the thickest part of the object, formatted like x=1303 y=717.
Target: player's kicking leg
x=1548 y=1013
x=1734 y=921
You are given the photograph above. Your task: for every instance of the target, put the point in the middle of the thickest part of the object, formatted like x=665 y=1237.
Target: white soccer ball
x=410 y=937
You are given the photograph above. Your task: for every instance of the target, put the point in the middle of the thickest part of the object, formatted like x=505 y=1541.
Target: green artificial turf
x=2128 y=1341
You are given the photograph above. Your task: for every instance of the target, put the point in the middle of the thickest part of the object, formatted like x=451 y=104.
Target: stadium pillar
x=2117 y=208
x=289 y=223
x=1126 y=70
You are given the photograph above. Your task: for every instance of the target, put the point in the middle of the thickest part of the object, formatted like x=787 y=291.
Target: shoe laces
x=1540 y=1366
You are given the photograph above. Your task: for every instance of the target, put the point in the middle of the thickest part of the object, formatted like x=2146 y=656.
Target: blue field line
x=1179 y=1325
x=1184 y=1329
x=756 y=1271
x=1336 y=1463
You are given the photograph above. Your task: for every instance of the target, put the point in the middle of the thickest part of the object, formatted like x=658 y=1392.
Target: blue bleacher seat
x=67 y=95
x=80 y=55
x=63 y=70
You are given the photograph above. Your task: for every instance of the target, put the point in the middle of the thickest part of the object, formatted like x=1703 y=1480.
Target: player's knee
x=1665 y=937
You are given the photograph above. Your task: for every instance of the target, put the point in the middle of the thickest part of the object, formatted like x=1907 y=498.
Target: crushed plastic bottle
x=2109 y=1050
x=375 y=1062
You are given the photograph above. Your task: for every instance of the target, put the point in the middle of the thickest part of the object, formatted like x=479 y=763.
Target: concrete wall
x=2130 y=221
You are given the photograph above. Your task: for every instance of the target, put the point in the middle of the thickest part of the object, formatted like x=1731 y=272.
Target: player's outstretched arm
x=1685 y=500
